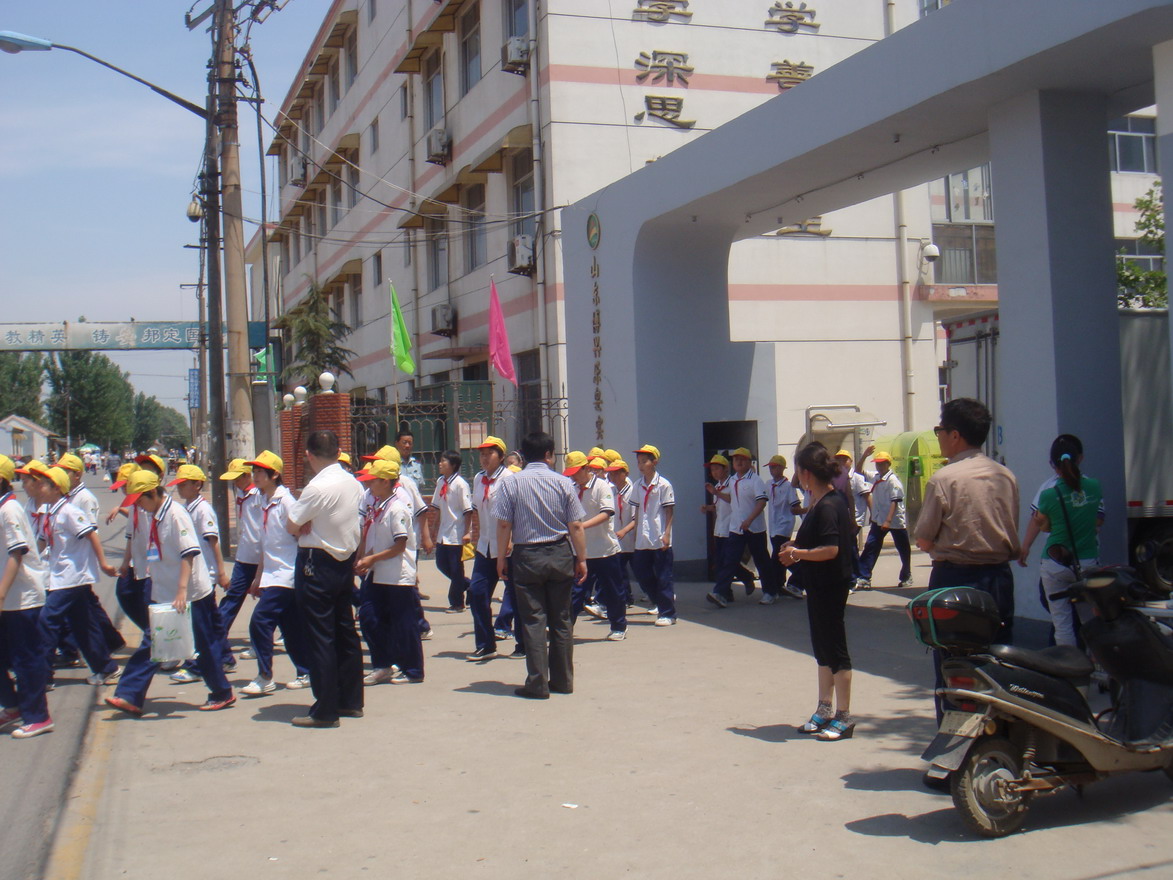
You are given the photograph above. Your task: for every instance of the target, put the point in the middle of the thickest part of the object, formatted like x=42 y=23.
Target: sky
x=96 y=170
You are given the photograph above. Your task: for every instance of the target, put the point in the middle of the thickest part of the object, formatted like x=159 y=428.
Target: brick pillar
x=331 y=412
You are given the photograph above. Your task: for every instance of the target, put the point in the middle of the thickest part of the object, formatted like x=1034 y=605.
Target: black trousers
x=543 y=578
x=324 y=587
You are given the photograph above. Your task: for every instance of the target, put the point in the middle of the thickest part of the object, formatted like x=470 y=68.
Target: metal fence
x=459 y=416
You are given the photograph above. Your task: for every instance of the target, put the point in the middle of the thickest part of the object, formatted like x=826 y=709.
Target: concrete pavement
x=675 y=757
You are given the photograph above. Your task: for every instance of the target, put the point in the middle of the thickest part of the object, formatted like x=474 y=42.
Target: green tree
x=21 y=379
x=316 y=335
x=1138 y=286
x=90 y=399
x=154 y=422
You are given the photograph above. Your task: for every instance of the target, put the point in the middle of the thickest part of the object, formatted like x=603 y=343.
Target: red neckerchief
x=444 y=485
x=372 y=514
x=648 y=487
x=774 y=485
x=241 y=498
x=154 y=538
x=47 y=523
x=265 y=512
x=486 y=481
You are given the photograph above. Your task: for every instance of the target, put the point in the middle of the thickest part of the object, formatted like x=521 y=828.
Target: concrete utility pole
x=240 y=415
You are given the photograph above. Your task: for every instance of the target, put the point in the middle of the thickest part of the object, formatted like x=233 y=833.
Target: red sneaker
x=216 y=705
x=35 y=729
x=124 y=705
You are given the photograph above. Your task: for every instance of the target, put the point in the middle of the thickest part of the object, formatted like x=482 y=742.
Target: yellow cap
x=380 y=469
x=385 y=453
x=33 y=467
x=575 y=461
x=237 y=468
x=778 y=459
x=882 y=456
x=70 y=462
x=719 y=459
x=649 y=449
x=344 y=457
x=742 y=451
x=151 y=458
x=60 y=479
x=596 y=452
x=612 y=455
x=268 y=460
x=597 y=463
x=188 y=472
x=619 y=465
x=7 y=468
x=514 y=468
x=140 y=481
x=490 y=442
x=844 y=453
x=124 y=472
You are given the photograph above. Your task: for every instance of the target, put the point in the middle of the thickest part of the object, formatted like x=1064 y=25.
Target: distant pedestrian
x=617 y=472
x=452 y=500
x=722 y=512
x=328 y=533
x=655 y=505
x=247 y=558
x=747 y=530
x=538 y=512
x=485 y=486
x=887 y=518
x=604 y=569
x=409 y=465
x=822 y=547
x=133 y=587
x=781 y=509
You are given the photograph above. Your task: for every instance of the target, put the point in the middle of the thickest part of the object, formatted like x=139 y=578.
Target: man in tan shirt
x=968 y=523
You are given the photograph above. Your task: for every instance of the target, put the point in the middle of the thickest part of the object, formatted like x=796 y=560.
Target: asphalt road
x=35 y=773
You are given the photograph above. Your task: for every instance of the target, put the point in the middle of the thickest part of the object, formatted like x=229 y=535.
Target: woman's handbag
x=1065 y=556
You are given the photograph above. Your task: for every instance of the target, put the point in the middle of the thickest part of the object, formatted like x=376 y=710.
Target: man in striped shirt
x=538 y=511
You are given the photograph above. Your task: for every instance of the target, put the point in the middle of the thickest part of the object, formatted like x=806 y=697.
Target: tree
x=317 y=335
x=1138 y=286
x=91 y=400
x=154 y=422
x=21 y=378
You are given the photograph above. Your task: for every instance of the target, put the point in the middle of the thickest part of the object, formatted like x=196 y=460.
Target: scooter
x=1019 y=723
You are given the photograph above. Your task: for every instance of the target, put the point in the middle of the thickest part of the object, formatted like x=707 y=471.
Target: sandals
x=818 y=721
x=839 y=728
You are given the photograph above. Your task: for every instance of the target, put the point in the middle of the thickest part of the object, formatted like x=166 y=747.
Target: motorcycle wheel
x=977 y=788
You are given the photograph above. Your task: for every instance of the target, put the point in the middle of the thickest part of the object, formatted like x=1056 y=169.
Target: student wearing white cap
x=23 y=706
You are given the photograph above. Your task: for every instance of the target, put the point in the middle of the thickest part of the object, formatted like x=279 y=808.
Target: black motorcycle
x=1019 y=723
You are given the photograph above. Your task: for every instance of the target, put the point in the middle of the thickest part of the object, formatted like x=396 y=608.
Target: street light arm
x=175 y=99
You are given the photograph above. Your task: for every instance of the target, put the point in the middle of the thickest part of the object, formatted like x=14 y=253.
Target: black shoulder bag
x=1065 y=556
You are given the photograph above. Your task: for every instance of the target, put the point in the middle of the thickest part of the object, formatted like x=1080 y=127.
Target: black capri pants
x=825 y=606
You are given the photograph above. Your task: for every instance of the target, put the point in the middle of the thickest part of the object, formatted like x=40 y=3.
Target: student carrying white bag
x=172 y=638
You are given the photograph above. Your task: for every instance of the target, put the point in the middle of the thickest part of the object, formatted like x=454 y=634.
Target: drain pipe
x=413 y=204
x=907 y=375
x=535 y=121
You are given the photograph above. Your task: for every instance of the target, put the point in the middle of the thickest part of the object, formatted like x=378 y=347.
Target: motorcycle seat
x=1061 y=661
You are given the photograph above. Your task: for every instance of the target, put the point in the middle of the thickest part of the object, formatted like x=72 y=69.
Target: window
x=356 y=299
x=336 y=204
x=374 y=135
x=372 y=10
x=295 y=242
x=433 y=90
x=1132 y=142
x=319 y=105
x=470 y=48
x=965 y=197
x=437 y=247
x=376 y=271
x=352 y=182
x=282 y=170
x=521 y=167
x=336 y=302
x=350 y=50
x=404 y=101
x=529 y=392
x=927 y=6
x=968 y=255
x=475 y=372
x=475 y=246
x=320 y=212
x=516 y=18
x=334 y=85
x=1146 y=257
x=409 y=244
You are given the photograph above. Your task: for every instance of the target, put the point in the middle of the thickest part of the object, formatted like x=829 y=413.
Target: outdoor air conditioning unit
x=515 y=55
x=521 y=255
x=439 y=146
x=444 y=320
x=301 y=179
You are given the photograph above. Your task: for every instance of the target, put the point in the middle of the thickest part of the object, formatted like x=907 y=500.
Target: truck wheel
x=979 y=788
x=1157 y=570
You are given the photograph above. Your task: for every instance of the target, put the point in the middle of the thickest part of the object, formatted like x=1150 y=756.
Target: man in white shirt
x=887 y=503
x=655 y=504
x=747 y=529
x=325 y=521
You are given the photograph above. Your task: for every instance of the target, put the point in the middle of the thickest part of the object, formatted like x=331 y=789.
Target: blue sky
x=96 y=170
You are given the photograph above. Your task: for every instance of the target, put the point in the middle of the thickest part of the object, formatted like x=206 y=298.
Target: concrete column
x=1163 y=84
x=1059 y=369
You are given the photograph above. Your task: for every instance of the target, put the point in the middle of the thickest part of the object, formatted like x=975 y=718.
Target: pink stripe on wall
x=814 y=292
x=705 y=82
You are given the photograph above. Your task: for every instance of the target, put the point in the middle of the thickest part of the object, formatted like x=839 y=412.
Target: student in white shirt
x=887 y=505
x=248 y=544
x=75 y=560
x=133 y=588
x=23 y=706
x=747 y=530
x=485 y=577
x=387 y=563
x=655 y=504
x=597 y=497
x=781 y=508
x=617 y=472
x=452 y=500
x=722 y=511
x=273 y=582
x=180 y=578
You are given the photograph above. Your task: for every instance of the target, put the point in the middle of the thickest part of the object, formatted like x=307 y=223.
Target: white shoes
x=246 y=654
x=616 y=636
x=302 y=681
x=665 y=621
x=595 y=610
x=767 y=599
x=379 y=676
x=185 y=676
x=99 y=678
x=259 y=687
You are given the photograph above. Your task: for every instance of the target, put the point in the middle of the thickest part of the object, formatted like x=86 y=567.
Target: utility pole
x=214 y=343
x=240 y=415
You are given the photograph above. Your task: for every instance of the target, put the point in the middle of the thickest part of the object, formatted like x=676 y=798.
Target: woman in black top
x=822 y=546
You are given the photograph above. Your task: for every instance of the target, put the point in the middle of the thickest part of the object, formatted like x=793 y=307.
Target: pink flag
x=499 y=355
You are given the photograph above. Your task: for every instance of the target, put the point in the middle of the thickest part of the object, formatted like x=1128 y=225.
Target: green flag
x=400 y=338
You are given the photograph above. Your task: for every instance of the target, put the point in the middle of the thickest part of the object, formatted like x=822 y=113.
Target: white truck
x=1147 y=402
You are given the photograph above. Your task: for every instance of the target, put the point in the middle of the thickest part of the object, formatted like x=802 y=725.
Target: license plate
x=967 y=724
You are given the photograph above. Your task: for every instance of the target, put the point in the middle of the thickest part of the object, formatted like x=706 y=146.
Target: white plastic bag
x=171 y=634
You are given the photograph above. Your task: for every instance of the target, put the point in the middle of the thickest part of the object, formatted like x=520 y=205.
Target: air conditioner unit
x=515 y=55
x=301 y=179
x=444 y=320
x=521 y=255
x=439 y=146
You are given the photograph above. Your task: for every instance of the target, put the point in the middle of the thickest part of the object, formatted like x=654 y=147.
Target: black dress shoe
x=311 y=721
x=530 y=695
x=350 y=713
x=555 y=690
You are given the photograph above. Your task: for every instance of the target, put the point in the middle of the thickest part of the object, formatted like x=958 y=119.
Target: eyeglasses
x=942 y=429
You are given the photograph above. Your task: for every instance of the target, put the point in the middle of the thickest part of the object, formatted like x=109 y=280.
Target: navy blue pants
x=625 y=575
x=997 y=580
x=390 y=624
x=731 y=566
x=603 y=581
x=140 y=669
x=653 y=570
x=507 y=613
x=324 y=587
x=875 y=543
x=449 y=562
x=133 y=598
x=276 y=607
x=480 y=597
x=368 y=625
x=776 y=542
x=75 y=606
x=23 y=650
x=242 y=578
